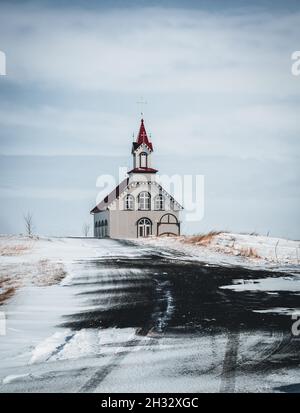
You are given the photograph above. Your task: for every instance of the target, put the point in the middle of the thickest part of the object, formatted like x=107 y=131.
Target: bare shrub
x=28 y=218
x=86 y=229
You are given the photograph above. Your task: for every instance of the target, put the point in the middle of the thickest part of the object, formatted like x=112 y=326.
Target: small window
x=144 y=201
x=129 y=202
x=143 y=160
x=159 y=203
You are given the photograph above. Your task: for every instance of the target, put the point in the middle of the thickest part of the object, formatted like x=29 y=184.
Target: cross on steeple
x=141 y=102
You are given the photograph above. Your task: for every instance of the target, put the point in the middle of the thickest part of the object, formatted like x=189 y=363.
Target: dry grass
x=248 y=252
x=202 y=239
x=206 y=240
x=13 y=250
x=8 y=287
x=6 y=294
x=48 y=273
x=41 y=273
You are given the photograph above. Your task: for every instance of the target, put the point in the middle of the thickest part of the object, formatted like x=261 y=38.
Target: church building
x=138 y=206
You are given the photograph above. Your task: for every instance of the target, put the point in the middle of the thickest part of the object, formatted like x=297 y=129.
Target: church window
x=159 y=203
x=143 y=160
x=129 y=202
x=144 y=227
x=144 y=201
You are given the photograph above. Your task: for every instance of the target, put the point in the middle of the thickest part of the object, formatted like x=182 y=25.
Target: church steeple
x=141 y=151
x=142 y=136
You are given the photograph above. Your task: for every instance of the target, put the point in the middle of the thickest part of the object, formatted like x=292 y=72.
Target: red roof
x=142 y=137
x=102 y=206
x=143 y=170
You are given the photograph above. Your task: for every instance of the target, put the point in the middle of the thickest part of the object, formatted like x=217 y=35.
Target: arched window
x=101 y=229
x=105 y=228
x=143 y=160
x=168 y=225
x=159 y=203
x=144 y=227
x=129 y=202
x=144 y=201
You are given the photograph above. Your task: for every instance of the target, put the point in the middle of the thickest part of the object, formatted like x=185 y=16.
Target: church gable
x=117 y=198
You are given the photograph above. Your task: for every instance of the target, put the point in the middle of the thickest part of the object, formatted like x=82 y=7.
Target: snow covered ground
x=42 y=261
x=26 y=261
x=235 y=249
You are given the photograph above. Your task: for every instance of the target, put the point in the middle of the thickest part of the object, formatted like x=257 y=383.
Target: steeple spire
x=142 y=136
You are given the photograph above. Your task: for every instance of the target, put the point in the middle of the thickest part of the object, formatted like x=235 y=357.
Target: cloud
x=150 y=49
x=52 y=130
x=220 y=81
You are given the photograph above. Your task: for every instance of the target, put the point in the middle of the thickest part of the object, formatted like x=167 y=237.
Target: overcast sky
x=222 y=102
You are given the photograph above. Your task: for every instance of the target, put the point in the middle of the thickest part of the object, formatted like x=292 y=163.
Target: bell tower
x=141 y=152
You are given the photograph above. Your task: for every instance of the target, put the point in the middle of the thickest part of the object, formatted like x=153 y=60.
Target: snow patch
x=279 y=310
x=266 y=284
x=84 y=343
x=14 y=377
x=48 y=347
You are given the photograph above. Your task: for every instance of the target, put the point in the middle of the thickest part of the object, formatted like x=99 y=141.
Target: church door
x=144 y=227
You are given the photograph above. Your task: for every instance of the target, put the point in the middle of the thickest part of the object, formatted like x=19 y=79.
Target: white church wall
x=142 y=177
x=124 y=223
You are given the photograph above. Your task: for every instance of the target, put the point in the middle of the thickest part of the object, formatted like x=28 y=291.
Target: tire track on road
x=228 y=377
x=103 y=372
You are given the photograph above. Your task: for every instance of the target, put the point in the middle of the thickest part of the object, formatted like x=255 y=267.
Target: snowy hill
x=234 y=249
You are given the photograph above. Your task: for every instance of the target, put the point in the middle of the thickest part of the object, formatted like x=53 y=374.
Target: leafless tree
x=28 y=219
x=86 y=229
